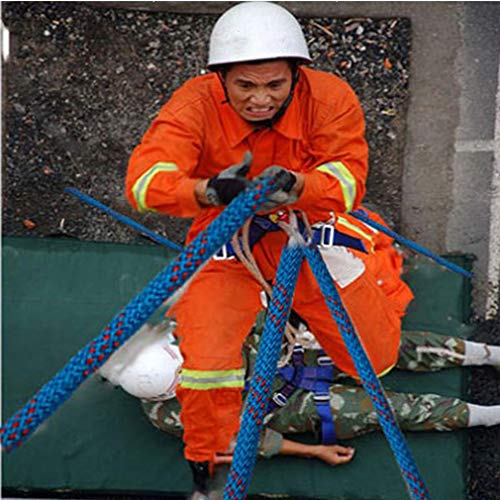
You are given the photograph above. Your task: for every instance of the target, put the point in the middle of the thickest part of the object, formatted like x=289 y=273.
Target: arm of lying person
x=333 y=454
x=273 y=443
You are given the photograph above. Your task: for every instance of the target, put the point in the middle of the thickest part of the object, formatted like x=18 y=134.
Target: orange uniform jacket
x=198 y=134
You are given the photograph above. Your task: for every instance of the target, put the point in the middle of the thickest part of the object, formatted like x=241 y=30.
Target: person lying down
x=149 y=365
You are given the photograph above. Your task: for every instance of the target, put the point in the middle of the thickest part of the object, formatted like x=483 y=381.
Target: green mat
x=59 y=294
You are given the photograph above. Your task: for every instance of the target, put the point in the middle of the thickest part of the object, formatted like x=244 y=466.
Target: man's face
x=257 y=91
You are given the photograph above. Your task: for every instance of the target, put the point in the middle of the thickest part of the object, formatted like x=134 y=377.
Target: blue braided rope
x=360 y=215
x=122 y=218
x=90 y=358
x=371 y=383
x=265 y=369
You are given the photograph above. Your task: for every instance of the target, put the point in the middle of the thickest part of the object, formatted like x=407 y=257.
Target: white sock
x=481 y=354
x=483 y=415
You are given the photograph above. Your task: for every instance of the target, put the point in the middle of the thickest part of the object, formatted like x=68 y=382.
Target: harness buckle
x=280 y=399
x=298 y=349
x=321 y=397
x=324 y=361
x=222 y=254
x=327 y=233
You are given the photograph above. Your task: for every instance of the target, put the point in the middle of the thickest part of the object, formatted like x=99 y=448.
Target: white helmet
x=153 y=374
x=147 y=366
x=253 y=31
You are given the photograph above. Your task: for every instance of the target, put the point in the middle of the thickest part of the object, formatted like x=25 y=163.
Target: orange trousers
x=218 y=310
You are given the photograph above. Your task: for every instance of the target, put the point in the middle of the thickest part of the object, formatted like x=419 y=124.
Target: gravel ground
x=83 y=83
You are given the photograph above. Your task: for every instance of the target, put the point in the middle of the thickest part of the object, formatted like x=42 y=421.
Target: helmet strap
x=223 y=83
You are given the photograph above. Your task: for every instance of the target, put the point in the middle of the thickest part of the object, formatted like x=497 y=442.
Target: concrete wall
x=474 y=220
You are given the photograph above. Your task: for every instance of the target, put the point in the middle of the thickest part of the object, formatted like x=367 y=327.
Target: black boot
x=201 y=476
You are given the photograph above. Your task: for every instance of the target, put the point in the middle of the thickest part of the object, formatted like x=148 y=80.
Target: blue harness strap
x=316 y=379
x=259 y=226
x=324 y=235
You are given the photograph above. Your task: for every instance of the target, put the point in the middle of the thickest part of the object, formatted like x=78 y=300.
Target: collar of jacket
x=238 y=129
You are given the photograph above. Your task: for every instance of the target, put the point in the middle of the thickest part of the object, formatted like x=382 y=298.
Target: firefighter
x=260 y=112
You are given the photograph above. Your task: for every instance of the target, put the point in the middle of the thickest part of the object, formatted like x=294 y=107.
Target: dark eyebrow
x=279 y=80
x=242 y=80
x=249 y=82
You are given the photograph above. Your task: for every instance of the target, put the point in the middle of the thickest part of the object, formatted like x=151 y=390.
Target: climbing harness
x=258 y=227
x=259 y=393
x=316 y=379
x=323 y=234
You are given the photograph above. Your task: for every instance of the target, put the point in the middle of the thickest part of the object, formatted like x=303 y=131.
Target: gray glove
x=285 y=180
x=227 y=185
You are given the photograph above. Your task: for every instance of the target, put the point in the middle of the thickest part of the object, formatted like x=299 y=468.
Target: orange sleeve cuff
x=313 y=194
x=309 y=192
x=186 y=198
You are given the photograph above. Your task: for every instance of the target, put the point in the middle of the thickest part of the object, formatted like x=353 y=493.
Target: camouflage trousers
x=354 y=413
x=427 y=351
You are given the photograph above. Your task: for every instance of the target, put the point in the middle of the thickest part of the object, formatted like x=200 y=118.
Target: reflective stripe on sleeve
x=203 y=380
x=140 y=188
x=347 y=181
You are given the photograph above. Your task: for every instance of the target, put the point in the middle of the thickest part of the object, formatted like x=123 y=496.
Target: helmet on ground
x=255 y=31
x=147 y=366
x=153 y=374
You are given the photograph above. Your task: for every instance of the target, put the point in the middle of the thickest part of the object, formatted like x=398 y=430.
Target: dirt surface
x=84 y=82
